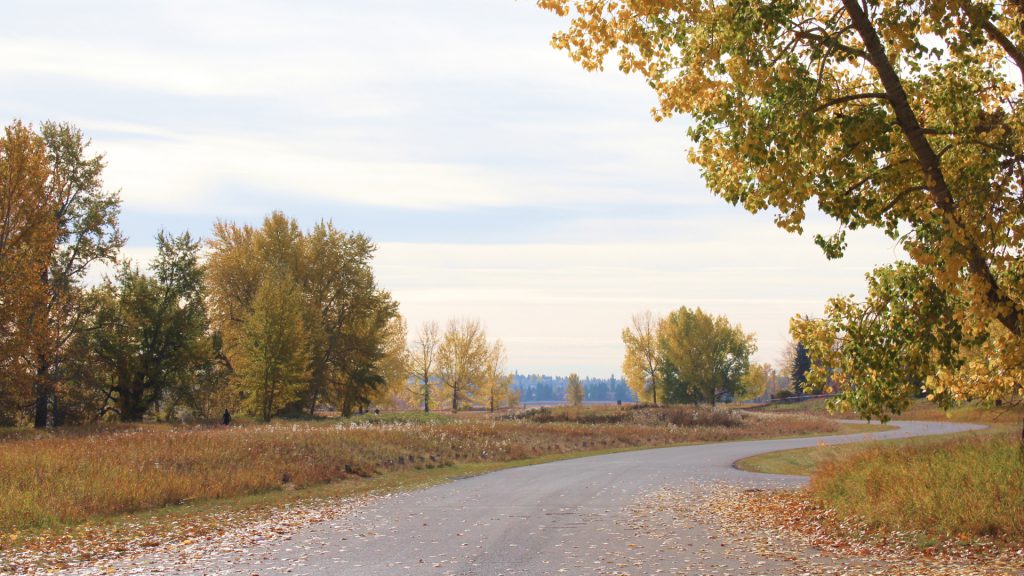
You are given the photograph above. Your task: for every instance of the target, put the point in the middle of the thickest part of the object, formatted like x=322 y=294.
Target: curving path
x=566 y=517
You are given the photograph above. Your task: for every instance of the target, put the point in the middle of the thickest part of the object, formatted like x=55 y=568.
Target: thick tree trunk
x=935 y=179
x=129 y=401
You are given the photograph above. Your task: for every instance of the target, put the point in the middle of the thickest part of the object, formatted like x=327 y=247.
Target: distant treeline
x=544 y=388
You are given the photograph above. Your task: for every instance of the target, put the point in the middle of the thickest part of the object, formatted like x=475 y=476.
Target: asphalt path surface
x=566 y=517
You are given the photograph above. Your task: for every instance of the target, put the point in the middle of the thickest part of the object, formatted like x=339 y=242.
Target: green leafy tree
x=755 y=382
x=574 y=390
x=149 y=333
x=881 y=351
x=348 y=320
x=709 y=357
x=272 y=365
x=857 y=109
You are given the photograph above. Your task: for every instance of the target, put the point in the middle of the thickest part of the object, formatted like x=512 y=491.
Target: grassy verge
x=971 y=485
x=54 y=481
x=962 y=485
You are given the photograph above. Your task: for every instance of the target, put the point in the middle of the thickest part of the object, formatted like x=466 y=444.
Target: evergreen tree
x=798 y=373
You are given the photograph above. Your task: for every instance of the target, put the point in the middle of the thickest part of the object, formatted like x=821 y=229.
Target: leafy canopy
x=705 y=357
x=28 y=231
x=900 y=116
x=147 y=334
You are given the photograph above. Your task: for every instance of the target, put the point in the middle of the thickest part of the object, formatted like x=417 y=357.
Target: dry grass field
x=64 y=478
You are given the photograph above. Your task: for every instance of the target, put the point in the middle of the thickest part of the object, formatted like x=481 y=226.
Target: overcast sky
x=499 y=180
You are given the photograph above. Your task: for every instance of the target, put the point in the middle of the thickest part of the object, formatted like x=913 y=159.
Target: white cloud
x=177 y=171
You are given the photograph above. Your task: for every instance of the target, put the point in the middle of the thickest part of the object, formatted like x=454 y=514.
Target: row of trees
x=273 y=319
x=689 y=356
x=546 y=388
x=457 y=368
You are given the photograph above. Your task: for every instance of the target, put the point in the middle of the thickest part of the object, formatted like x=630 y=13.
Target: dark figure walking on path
x=227 y=417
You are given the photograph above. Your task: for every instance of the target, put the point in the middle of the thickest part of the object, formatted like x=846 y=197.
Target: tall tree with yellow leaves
x=860 y=109
x=642 y=365
x=462 y=360
x=393 y=364
x=574 y=393
x=348 y=321
x=496 y=382
x=28 y=231
x=705 y=358
x=273 y=359
x=423 y=365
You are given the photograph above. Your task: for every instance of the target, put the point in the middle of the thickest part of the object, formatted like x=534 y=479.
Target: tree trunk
x=312 y=402
x=58 y=412
x=42 y=409
x=42 y=394
x=130 y=402
x=938 y=189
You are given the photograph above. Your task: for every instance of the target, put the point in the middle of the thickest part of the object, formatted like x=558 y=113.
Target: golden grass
x=66 y=478
x=970 y=485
